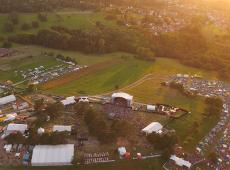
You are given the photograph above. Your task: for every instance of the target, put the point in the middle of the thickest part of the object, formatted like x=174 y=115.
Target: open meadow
x=71 y=19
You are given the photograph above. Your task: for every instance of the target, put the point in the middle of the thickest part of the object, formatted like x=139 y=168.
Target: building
x=68 y=101
x=52 y=155
x=122 y=99
x=61 y=128
x=7 y=99
x=153 y=127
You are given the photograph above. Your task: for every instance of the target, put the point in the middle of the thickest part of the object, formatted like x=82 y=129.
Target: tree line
x=43 y=5
x=101 y=40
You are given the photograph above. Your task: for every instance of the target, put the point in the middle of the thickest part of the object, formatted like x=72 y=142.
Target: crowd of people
x=119 y=112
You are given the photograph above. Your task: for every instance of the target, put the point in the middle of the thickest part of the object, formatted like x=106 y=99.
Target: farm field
x=72 y=19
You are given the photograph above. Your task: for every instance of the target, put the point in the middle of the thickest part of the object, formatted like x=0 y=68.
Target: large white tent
x=153 y=127
x=61 y=128
x=7 y=99
x=125 y=96
x=180 y=162
x=52 y=155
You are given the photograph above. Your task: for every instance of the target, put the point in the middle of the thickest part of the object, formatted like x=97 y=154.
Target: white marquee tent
x=152 y=127
x=7 y=99
x=52 y=155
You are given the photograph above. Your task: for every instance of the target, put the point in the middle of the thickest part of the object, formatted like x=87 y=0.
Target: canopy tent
x=7 y=99
x=152 y=127
x=125 y=96
x=180 y=162
x=61 y=128
x=52 y=155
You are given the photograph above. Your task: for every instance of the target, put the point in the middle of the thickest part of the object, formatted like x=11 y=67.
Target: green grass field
x=73 y=20
x=124 y=72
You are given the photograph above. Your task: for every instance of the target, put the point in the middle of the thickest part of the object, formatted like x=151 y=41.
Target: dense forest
x=50 y=5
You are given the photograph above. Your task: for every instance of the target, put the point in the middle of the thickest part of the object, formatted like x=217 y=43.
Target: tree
x=35 y=24
x=25 y=26
x=101 y=45
x=213 y=106
x=81 y=108
x=42 y=17
x=166 y=154
x=212 y=157
x=13 y=17
x=6 y=44
x=54 y=138
x=122 y=128
x=55 y=109
x=39 y=104
x=15 y=138
x=8 y=26
x=31 y=88
x=165 y=141
x=145 y=53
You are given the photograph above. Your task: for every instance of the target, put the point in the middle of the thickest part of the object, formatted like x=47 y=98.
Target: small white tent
x=152 y=127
